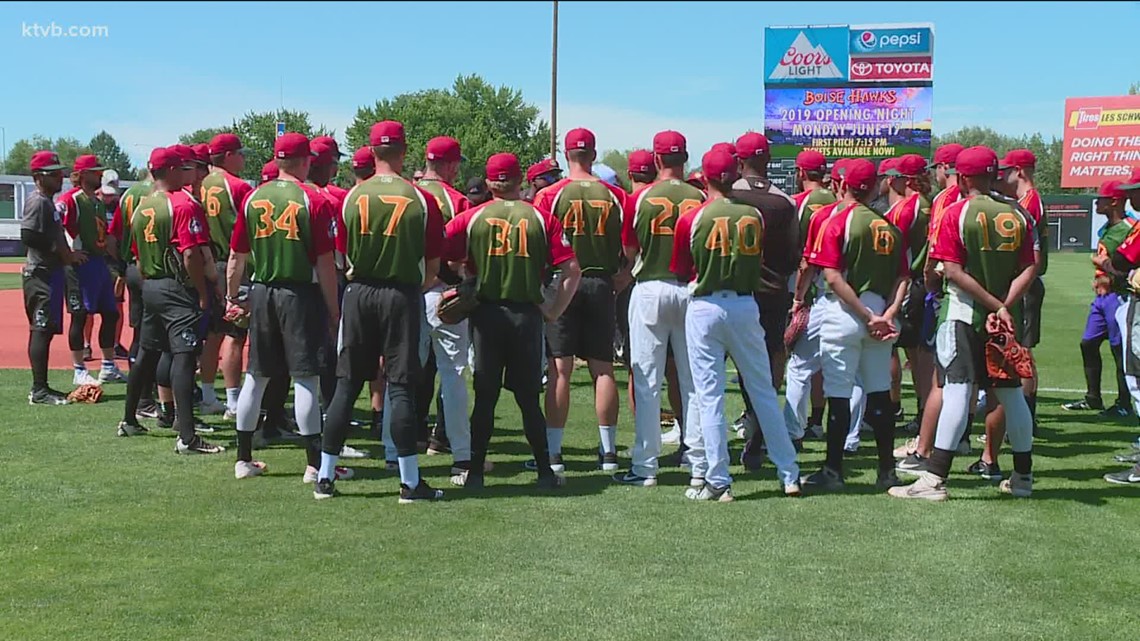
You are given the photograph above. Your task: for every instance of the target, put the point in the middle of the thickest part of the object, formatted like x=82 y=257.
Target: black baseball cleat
x=825 y=480
x=130 y=429
x=550 y=482
x=422 y=493
x=608 y=461
x=887 y=479
x=324 y=489
x=47 y=396
x=988 y=471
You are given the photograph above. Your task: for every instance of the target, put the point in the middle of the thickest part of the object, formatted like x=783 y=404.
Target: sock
x=409 y=471
x=554 y=440
x=816 y=417
x=80 y=367
x=312 y=449
x=232 y=394
x=245 y=446
x=208 y=393
x=328 y=466
x=108 y=365
x=608 y=434
x=167 y=410
x=1023 y=463
x=940 y=462
x=1032 y=400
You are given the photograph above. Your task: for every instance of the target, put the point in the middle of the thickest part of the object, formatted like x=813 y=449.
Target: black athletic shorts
x=774 y=308
x=218 y=322
x=586 y=328
x=287 y=325
x=171 y=319
x=43 y=299
x=380 y=319
x=134 y=295
x=508 y=342
x=961 y=357
x=1031 y=313
x=911 y=315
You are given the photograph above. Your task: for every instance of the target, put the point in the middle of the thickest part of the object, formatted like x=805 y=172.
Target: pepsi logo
x=867 y=38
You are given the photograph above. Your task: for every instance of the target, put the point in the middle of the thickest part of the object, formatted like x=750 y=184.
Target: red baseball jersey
x=816 y=226
x=869 y=251
x=942 y=202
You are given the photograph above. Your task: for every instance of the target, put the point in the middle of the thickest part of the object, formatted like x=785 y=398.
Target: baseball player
x=717 y=250
x=642 y=173
x=910 y=213
x=326 y=158
x=915 y=453
x=1110 y=288
x=223 y=194
x=1017 y=169
x=284 y=232
x=509 y=244
x=1125 y=260
x=862 y=258
x=269 y=171
x=93 y=288
x=987 y=251
x=393 y=243
x=363 y=166
x=541 y=175
x=591 y=212
x=171 y=240
x=657 y=310
x=449 y=343
x=41 y=232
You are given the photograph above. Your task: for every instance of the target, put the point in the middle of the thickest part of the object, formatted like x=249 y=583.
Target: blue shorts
x=1101 y=322
x=96 y=287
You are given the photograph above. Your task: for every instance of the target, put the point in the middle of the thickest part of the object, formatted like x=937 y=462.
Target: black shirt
x=40 y=217
x=781 y=230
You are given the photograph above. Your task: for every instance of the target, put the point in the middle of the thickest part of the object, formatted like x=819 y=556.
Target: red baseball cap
x=908 y=166
x=751 y=144
x=811 y=160
x=976 y=161
x=46 y=161
x=669 y=142
x=292 y=145
x=443 y=149
x=164 y=158
x=719 y=165
x=201 y=153
x=724 y=146
x=696 y=179
x=581 y=139
x=185 y=153
x=386 y=132
x=325 y=150
x=1019 y=158
x=223 y=143
x=87 y=162
x=887 y=164
x=1133 y=181
x=838 y=168
x=946 y=155
x=504 y=166
x=269 y=172
x=544 y=166
x=641 y=161
x=860 y=174
x=1111 y=189
x=362 y=157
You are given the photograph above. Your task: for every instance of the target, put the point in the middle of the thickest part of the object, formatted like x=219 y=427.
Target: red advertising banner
x=888 y=68
x=1102 y=140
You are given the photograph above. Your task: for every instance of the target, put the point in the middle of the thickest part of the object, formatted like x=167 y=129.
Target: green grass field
x=106 y=538
x=11 y=281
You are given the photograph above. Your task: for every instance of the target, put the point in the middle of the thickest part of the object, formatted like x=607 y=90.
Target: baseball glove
x=797 y=325
x=457 y=302
x=1006 y=359
x=88 y=393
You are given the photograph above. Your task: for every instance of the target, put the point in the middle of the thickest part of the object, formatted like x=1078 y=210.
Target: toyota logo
x=861 y=69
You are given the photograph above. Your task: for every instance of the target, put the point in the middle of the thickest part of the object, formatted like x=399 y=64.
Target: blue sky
x=626 y=70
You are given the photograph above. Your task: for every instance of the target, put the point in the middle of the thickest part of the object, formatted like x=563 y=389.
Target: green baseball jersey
x=284 y=227
x=392 y=227
x=450 y=201
x=655 y=211
x=86 y=222
x=591 y=214
x=869 y=251
x=164 y=226
x=510 y=245
x=993 y=241
x=718 y=247
x=222 y=195
x=128 y=203
x=807 y=203
x=1112 y=238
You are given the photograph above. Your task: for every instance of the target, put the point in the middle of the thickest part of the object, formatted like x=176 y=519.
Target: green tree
x=485 y=119
x=111 y=155
x=202 y=135
x=257 y=131
x=619 y=162
x=20 y=153
x=1049 y=152
x=1134 y=89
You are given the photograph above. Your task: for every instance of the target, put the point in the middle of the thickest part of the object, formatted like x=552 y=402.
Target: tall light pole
x=554 y=86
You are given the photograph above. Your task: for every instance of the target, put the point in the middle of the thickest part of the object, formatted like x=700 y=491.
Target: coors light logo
x=805 y=60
